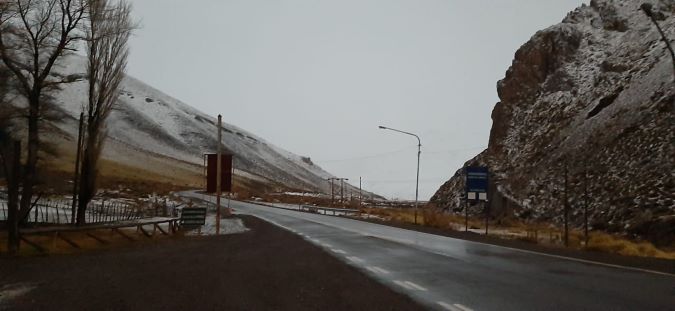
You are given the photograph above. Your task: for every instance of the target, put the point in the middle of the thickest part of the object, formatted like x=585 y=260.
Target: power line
x=370 y=156
x=395 y=181
x=454 y=150
x=378 y=155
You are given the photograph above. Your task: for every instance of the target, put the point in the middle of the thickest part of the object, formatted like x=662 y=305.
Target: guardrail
x=313 y=209
x=327 y=210
x=59 y=232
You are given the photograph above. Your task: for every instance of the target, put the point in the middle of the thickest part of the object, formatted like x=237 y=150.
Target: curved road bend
x=445 y=273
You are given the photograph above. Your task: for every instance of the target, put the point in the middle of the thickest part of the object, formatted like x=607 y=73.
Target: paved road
x=450 y=274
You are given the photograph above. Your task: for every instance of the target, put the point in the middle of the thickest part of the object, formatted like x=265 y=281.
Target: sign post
x=211 y=162
x=218 y=176
x=219 y=172
x=193 y=217
x=476 y=191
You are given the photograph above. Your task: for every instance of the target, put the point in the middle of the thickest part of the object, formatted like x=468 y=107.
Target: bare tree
x=11 y=166
x=34 y=35
x=108 y=32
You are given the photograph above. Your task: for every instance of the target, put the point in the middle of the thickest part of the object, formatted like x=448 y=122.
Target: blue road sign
x=477 y=182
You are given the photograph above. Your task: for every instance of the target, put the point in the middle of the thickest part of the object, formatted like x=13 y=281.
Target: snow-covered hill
x=592 y=97
x=147 y=123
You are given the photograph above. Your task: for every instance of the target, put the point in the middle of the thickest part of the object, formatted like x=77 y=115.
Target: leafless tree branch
x=34 y=35
x=108 y=30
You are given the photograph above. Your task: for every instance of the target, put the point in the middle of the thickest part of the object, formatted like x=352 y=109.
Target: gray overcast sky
x=317 y=77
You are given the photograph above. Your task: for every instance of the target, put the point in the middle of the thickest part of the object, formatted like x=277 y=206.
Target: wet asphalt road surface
x=444 y=273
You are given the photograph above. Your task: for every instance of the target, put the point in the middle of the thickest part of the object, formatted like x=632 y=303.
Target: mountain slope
x=148 y=126
x=593 y=96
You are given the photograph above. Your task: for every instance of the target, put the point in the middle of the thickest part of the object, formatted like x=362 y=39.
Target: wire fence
x=60 y=211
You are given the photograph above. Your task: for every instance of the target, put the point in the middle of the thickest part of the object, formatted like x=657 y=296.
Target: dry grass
x=55 y=245
x=296 y=199
x=159 y=175
x=429 y=217
x=540 y=233
x=603 y=242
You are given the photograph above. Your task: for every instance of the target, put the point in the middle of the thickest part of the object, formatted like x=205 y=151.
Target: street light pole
x=218 y=173
x=419 y=152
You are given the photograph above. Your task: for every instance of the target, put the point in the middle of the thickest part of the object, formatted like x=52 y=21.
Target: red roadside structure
x=227 y=170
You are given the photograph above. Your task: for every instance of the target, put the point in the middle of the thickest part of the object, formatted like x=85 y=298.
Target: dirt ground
x=266 y=268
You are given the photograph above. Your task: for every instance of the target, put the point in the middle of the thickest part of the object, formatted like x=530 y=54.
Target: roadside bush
x=603 y=242
x=435 y=218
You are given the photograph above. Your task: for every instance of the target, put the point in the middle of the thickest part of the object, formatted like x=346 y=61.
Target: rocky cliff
x=593 y=99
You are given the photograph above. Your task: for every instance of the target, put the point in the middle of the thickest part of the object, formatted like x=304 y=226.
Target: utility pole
x=332 y=194
x=360 y=194
x=487 y=216
x=466 y=201
x=585 y=204
x=466 y=215
x=566 y=208
x=218 y=175
x=342 y=189
x=76 y=180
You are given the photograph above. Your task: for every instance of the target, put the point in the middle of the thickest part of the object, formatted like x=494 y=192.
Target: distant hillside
x=594 y=93
x=155 y=132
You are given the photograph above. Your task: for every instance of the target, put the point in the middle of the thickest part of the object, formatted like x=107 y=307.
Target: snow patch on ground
x=12 y=291
x=227 y=226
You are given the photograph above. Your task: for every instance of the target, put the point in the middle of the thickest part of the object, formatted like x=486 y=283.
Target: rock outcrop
x=593 y=96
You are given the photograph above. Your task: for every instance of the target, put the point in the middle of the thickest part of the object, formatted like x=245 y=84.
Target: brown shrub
x=604 y=242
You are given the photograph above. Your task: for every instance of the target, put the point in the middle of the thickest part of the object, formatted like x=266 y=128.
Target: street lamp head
x=382 y=127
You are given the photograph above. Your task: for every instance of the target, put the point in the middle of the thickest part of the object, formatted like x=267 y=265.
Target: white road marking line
x=339 y=251
x=402 y=284
x=355 y=259
x=415 y=286
x=380 y=270
x=377 y=270
x=462 y=307
x=447 y=306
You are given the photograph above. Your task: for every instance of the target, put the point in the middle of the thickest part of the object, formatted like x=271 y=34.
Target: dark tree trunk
x=76 y=180
x=13 y=175
x=88 y=174
x=30 y=173
x=85 y=192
